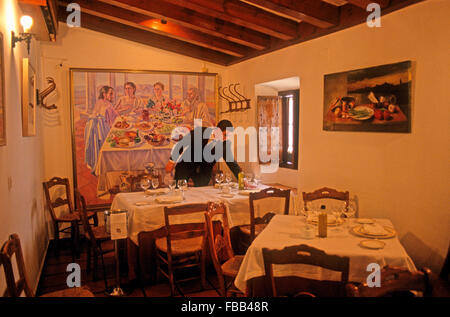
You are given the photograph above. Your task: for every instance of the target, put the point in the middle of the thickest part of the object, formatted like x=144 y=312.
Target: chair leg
x=88 y=260
x=76 y=240
x=95 y=220
x=171 y=278
x=203 y=269
x=56 y=233
x=104 y=269
x=94 y=278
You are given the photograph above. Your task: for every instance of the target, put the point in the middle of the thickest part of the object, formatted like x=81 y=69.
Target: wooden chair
x=225 y=262
x=258 y=224
x=326 y=192
x=395 y=281
x=15 y=288
x=183 y=247
x=95 y=237
x=302 y=254
x=72 y=218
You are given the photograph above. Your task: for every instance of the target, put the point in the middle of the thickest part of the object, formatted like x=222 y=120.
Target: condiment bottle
x=322 y=224
x=241 y=180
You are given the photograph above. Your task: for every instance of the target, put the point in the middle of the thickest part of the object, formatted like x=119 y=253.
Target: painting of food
x=124 y=121
x=375 y=99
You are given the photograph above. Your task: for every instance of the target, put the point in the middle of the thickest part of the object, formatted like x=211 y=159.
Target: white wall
x=21 y=160
x=403 y=177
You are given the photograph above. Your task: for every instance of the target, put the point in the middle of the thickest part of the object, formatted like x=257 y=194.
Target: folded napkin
x=374 y=229
x=169 y=199
x=143 y=203
x=158 y=191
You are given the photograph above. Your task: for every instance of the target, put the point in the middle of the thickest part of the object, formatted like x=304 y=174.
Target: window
x=290 y=106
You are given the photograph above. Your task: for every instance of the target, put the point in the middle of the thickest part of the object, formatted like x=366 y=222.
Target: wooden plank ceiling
x=224 y=32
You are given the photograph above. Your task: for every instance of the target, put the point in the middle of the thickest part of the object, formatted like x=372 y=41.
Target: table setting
x=363 y=240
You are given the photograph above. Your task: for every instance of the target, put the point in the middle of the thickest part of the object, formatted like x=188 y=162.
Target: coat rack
x=236 y=101
x=44 y=94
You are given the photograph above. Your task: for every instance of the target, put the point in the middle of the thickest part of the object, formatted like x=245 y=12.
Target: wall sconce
x=26 y=22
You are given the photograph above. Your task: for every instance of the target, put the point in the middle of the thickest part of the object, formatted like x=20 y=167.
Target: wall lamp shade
x=26 y=22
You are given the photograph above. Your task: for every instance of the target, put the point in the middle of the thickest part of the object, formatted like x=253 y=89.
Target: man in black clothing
x=195 y=155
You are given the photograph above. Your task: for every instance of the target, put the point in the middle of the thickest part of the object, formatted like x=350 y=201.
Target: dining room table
x=346 y=239
x=146 y=215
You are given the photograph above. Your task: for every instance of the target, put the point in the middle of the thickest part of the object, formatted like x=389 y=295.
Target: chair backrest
x=269 y=192
x=326 y=192
x=394 y=280
x=220 y=243
x=14 y=288
x=58 y=202
x=184 y=209
x=83 y=215
x=302 y=254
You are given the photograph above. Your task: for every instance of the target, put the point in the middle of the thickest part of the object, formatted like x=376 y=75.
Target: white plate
x=365 y=221
x=169 y=199
x=227 y=195
x=246 y=192
x=369 y=115
x=372 y=244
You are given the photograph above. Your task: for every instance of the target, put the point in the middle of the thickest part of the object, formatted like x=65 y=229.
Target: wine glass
x=155 y=182
x=182 y=185
x=349 y=212
x=228 y=178
x=145 y=184
x=219 y=178
x=172 y=184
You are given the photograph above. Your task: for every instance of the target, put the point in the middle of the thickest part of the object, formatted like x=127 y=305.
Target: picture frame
x=29 y=98
x=373 y=99
x=107 y=114
x=2 y=95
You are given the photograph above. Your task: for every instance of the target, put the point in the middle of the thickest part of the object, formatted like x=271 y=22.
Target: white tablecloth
x=151 y=217
x=285 y=231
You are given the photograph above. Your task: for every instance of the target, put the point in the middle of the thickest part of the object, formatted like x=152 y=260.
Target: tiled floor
x=54 y=277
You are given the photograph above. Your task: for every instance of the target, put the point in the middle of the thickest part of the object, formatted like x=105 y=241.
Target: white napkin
x=143 y=203
x=374 y=229
x=169 y=199
x=158 y=191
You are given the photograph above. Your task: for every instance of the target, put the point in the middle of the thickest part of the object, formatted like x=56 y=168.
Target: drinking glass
x=182 y=185
x=145 y=184
x=155 y=183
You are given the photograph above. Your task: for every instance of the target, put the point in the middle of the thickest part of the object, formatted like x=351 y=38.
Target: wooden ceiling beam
x=239 y=13
x=364 y=3
x=317 y=13
x=148 y=38
x=155 y=25
x=195 y=21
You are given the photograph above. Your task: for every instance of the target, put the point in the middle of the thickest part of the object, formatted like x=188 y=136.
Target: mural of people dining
x=126 y=122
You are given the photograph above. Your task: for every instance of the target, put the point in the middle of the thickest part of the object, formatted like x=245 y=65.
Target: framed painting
x=125 y=124
x=2 y=95
x=29 y=98
x=376 y=99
